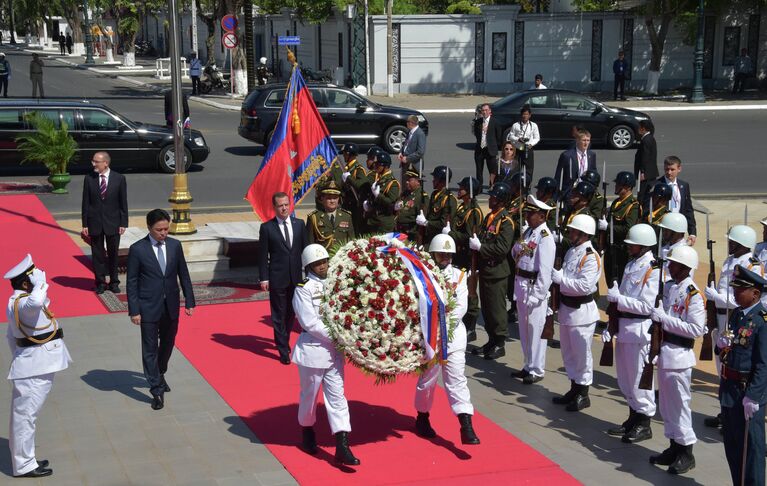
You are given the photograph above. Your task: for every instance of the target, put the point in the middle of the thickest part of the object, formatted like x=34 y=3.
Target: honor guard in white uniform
x=38 y=350
x=578 y=313
x=674 y=229
x=683 y=317
x=635 y=300
x=760 y=252
x=741 y=241
x=534 y=256
x=442 y=248
x=320 y=364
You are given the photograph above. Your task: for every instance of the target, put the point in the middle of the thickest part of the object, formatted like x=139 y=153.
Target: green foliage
x=463 y=7
x=53 y=147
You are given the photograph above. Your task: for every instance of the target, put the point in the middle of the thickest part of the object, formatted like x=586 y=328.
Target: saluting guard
x=442 y=249
x=534 y=256
x=320 y=364
x=331 y=224
x=441 y=206
x=384 y=192
x=38 y=349
x=412 y=202
x=578 y=313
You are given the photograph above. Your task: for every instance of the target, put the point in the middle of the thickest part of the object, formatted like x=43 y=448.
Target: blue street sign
x=288 y=40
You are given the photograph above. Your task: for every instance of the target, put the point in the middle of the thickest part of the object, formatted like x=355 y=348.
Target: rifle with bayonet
x=473 y=279
x=656 y=328
x=608 y=352
x=548 y=326
x=602 y=239
x=707 y=348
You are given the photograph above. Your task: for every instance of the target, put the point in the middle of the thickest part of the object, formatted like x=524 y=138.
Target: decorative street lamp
x=697 y=88
x=88 y=36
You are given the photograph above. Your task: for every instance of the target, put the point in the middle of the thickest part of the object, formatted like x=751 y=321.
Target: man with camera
x=525 y=135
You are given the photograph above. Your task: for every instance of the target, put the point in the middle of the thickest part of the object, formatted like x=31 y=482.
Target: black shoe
x=667 y=457
x=343 y=453
x=40 y=472
x=511 y=316
x=567 y=397
x=714 y=422
x=165 y=386
x=308 y=441
x=684 y=460
x=100 y=289
x=523 y=373
x=157 y=402
x=530 y=379
x=581 y=399
x=495 y=352
x=468 y=436
x=42 y=463
x=640 y=431
x=471 y=336
x=423 y=427
x=621 y=430
x=285 y=360
x=554 y=344
x=482 y=349
x=114 y=288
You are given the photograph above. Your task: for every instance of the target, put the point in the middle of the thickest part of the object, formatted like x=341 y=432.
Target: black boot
x=497 y=350
x=581 y=399
x=567 y=397
x=621 y=430
x=640 y=431
x=483 y=349
x=423 y=426
x=684 y=460
x=309 y=442
x=714 y=422
x=667 y=457
x=343 y=453
x=468 y=436
x=471 y=335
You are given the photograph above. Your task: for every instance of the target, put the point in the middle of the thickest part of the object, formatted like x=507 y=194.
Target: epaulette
x=344 y=211
x=692 y=290
x=654 y=264
x=303 y=283
x=753 y=259
x=544 y=233
x=315 y=212
x=589 y=250
x=763 y=314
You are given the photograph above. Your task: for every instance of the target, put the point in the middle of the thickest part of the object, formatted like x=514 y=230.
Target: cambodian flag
x=300 y=152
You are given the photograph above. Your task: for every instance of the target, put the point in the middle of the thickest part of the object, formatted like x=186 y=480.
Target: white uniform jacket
x=725 y=298
x=760 y=252
x=458 y=277
x=685 y=316
x=40 y=359
x=314 y=348
x=581 y=269
x=639 y=288
x=535 y=253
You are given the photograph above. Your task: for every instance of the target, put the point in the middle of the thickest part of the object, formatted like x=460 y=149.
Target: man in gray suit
x=414 y=147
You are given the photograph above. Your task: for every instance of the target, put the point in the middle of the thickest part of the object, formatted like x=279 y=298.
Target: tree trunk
x=210 y=41
x=657 y=41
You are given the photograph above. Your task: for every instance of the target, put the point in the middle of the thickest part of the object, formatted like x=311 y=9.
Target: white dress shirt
x=527 y=130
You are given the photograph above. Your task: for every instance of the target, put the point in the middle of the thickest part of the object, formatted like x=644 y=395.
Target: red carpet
x=28 y=227
x=231 y=346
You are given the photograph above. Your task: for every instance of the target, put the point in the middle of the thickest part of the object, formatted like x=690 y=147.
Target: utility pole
x=194 y=28
x=180 y=198
x=389 y=51
x=249 y=46
x=88 y=35
x=367 y=50
x=697 y=87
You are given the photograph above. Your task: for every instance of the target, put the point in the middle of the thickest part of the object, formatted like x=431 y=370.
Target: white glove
x=366 y=206
x=398 y=205
x=556 y=276
x=524 y=228
x=474 y=242
x=375 y=189
x=647 y=360
x=533 y=301
x=750 y=407
x=613 y=293
x=602 y=224
x=658 y=313
x=723 y=341
x=420 y=220
x=446 y=229
x=606 y=337
x=345 y=176
x=557 y=237
x=37 y=277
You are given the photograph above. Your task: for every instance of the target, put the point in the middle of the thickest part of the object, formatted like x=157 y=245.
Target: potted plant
x=53 y=147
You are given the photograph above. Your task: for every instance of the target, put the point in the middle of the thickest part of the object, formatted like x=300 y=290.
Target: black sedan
x=96 y=127
x=350 y=118
x=556 y=111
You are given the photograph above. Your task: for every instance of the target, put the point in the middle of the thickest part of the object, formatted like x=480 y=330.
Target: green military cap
x=412 y=171
x=330 y=189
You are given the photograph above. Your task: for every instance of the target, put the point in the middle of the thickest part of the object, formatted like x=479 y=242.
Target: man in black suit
x=646 y=159
x=574 y=162
x=414 y=147
x=489 y=135
x=281 y=241
x=156 y=264
x=681 y=199
x=104 y=219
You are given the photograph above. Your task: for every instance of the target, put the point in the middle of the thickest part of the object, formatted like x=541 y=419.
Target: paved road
x=719 y=149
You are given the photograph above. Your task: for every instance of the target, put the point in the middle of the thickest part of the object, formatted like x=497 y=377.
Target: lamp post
x=697 y=87
x=88 y=36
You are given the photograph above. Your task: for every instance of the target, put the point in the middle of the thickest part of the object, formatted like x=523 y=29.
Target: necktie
x=103 y=187
x=676 y=197
x=285 y=230
x=581 y=163
x=161 y=257
x=332 y=220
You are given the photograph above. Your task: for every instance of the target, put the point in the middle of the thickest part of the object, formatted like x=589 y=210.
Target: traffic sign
x=288 y=40
x=229 y=40
x=229 y=23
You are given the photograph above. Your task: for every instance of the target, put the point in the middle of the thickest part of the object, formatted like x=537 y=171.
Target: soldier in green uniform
x=546 y=191
x=351 y=177
x=493 y=243
x=411 y=203
x=577 y=203
x=441 y=206
x=467 y=221
x=597 y=201
x=330 y=225
x=384 y=191
x=624 y=213
x=660 y=195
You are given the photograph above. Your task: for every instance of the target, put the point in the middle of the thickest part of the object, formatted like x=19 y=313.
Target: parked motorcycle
x=324 y=76
x=212 y=78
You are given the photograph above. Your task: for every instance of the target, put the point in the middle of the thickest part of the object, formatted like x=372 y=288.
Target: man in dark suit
x=104 y=219
x=681 y=200
x=573 y=163
x=281 y=241
x=414 y=147
x=156 y=265
x=489 y=135
x=646 y=159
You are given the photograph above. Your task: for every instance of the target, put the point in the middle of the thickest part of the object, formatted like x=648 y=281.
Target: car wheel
x=394 y=138
x=167 y=159
x=621 y=137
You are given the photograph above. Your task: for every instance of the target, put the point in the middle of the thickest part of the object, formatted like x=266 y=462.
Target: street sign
x=288 y=40
x=229 y=23
x=229 y=40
